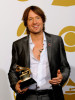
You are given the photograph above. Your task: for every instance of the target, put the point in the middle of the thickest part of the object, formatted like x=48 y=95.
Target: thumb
x=19 y=81
x=58 y=72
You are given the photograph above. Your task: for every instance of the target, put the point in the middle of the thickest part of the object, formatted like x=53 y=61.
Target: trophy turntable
x=24 y=74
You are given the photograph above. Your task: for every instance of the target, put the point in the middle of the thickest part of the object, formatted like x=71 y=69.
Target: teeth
x=35 y=26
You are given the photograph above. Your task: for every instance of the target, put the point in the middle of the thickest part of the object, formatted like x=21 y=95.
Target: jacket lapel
x=27 y=51
x=49 y=48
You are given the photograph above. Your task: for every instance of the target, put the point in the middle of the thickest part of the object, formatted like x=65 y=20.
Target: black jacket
x=56 y=57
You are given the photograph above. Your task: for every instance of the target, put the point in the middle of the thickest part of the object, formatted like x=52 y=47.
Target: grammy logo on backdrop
x=22 y=0
x=63 y=2
x=68 y=35
x=70 y=92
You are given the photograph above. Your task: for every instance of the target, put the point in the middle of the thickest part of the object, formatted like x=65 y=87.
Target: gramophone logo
x=63 y=2
x=70 y=92
x=22 y=0
x=68 y=34
x=21 y=29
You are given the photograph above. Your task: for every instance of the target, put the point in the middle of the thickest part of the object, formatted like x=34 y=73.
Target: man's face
x=34 y=23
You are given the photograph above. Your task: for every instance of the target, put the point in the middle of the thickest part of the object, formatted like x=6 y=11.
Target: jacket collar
x=49 y=45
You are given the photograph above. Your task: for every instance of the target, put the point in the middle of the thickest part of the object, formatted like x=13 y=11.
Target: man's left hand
x=57 y=80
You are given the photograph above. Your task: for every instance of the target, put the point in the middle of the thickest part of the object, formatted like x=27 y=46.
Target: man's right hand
x=18 y=89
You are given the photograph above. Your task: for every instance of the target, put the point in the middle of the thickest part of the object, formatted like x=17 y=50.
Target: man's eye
x=38 y=17
x=30 y=19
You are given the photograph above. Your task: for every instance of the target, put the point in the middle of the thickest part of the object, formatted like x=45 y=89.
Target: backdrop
x=60 y=21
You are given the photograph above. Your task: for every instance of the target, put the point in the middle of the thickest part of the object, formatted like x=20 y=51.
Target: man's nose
x=34 y=21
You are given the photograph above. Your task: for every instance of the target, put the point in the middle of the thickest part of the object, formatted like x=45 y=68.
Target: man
x=44 y=54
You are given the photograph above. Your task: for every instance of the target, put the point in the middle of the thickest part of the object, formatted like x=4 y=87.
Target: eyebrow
x=35 y=16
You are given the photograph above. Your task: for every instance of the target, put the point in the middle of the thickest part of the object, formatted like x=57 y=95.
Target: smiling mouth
x=35 y=26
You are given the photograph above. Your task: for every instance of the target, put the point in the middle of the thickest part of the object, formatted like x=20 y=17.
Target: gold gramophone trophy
x=24 y=74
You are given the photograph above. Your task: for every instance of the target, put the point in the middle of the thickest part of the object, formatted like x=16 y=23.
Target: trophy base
x=27 y=83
